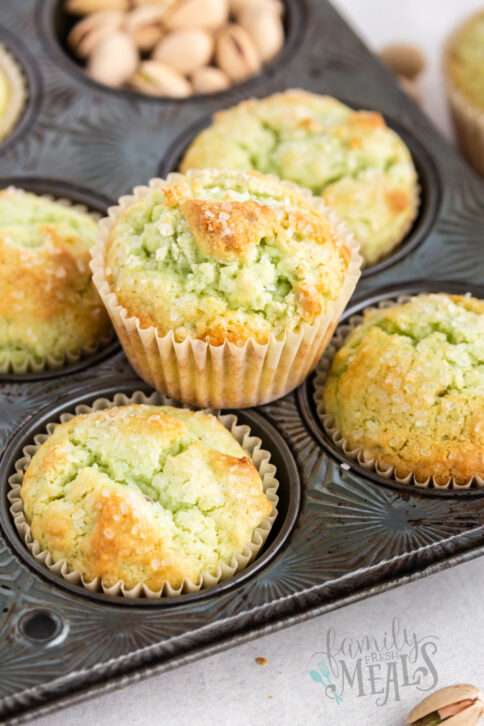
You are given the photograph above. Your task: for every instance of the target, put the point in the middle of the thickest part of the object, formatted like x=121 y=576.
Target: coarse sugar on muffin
x=13 y=92
x=360 y=167
x=225 y=256
x=48 y=306
x=407 y=388
x=143 y=494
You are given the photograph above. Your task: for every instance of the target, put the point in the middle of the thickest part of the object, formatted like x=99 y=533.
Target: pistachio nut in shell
x=236 y=53
x=84 y=7
x=144 y=25
x=87 y=33
x=265 y=29
x=114 y=59
x=158 y=79
x=208 y=14
x=404 y=60
x=185 y=50
x=209 y=79
x=238 y=6
x=459 y=705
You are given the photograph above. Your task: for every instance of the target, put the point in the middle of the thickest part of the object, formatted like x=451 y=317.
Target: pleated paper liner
x=35 y=364
x=358 y=454
x=17 y=86
x=468 y=119
x=224 y=376
x=251 y=444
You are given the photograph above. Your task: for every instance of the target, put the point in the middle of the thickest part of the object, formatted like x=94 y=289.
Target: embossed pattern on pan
x=352 y=538
x=306 y=391
x=58 y=189
x=56 y=25
x=427 y=176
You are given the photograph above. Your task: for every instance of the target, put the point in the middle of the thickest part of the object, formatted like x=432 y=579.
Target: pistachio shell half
x=209 y=80
x=265 y=29
x=404 y=60
x=460 y=705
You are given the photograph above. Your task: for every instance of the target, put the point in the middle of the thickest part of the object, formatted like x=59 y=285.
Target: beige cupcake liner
x=242 y=433
x=32 y=364
x=18 y=92
x=358 y=454
x=224 y=376
x=468 y=119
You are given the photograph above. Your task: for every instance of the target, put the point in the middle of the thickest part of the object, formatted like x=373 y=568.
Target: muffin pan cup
x=342 y=532
x=34 y=369
x=363 y=459
x=225 y=571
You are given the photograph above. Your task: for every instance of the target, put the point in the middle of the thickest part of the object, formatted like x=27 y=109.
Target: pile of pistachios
x=175 y=47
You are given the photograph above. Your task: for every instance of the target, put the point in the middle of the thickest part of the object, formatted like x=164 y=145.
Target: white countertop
x=442 y=616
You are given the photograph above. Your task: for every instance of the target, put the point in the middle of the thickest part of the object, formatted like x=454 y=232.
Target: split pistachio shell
x=265 y=29
x=84 y=7
x=404 y=60
x=114 y=59
x=448 y=700
x=158 y=79
x=164 y=4
x=185 y=50
x=144 y=25
x=87 y=33
x=236 y=53
x=208 y=14
x=209 y=80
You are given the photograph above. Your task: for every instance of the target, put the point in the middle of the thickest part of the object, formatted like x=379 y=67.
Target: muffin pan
x=341 y=533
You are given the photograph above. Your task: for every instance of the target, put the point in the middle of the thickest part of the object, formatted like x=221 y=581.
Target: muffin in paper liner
x=223 y=376
x=358 y=454
x=241 y=432
x=32 y=364
x=468 y=118
x=17 y=89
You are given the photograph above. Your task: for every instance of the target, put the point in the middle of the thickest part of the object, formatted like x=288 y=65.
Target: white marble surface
x=445 y=610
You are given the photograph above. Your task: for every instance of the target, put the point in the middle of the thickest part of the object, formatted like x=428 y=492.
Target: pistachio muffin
x=49 y=307
x=407 y=388
x=225 y=257
x=13 y=93
x=362 y=169
x=464 y=73
x=143 y=494
x=224 y=286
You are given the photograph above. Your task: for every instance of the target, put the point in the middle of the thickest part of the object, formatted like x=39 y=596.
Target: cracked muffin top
x=143 y=493
x=360 y=167
x=226 y=256
x=407 y=387
x=49 y=306
x=465 y=61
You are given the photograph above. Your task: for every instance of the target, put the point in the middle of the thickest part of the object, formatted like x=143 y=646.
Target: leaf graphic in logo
x=316 y=677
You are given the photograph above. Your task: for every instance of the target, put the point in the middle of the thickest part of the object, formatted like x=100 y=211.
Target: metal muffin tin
x=341 y=534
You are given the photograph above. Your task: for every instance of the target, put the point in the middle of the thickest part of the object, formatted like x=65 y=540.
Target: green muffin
x=143 y=494
x=360 y=167
x=49 y=308
x=407 y=388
